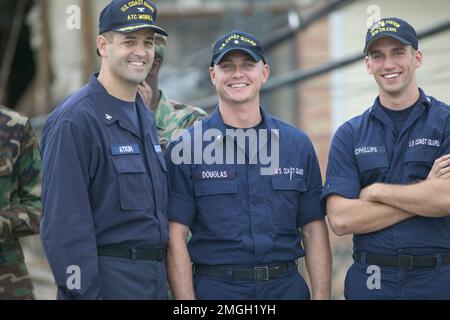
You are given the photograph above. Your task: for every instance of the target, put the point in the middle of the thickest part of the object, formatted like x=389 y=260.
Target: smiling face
x=393 y=65
x=128 y=56
x=238 y=78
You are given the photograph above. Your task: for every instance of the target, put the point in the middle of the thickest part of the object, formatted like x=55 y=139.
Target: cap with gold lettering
x=237 y=40
x=128 y=16
x=393 y=28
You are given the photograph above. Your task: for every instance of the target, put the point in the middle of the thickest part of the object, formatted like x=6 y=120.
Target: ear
x=102 y=44
x=212 y=75
x=368 y=64
x=266 y=72
x=418 y=56
x=156 y=65
x=155 y=68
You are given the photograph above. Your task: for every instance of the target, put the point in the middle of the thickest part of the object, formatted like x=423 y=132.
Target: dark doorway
x=22 y=67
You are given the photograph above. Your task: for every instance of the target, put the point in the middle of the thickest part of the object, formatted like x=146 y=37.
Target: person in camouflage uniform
x=170 y=115
x=20 y=204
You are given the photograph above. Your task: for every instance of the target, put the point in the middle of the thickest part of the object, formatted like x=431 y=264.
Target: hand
x=321 y=296
x=368 y=193
x=441 y=168
x=146 y=93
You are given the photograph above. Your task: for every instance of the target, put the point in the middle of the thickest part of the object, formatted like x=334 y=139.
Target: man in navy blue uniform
x=104 y=224
x=377 y=186
x=245 y=221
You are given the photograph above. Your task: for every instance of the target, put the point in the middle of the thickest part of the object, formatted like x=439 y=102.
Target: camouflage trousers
x=15 y=282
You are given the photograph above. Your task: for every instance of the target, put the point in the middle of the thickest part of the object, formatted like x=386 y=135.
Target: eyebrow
x=227 y=59
x=129 y=36
x=402 y=48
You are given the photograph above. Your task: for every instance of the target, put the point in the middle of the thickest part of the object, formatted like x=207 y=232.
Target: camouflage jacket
x=20 y=188
x=171 y=116
x=20 y=203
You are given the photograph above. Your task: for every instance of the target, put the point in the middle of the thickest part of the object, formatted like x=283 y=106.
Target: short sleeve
x=445 y=145
x=342 y=171
x=181 y=206
x=310 y=208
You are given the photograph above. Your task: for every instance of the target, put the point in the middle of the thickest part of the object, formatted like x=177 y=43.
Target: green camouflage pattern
x=171 y=116
x=160 y=45
x=20 y=203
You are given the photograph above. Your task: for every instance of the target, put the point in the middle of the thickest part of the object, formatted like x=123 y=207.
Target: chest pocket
x=372 y=168
x=134 y=183
x=285 y=202
x=6 y=168
x=218 y=210
x=418 y=163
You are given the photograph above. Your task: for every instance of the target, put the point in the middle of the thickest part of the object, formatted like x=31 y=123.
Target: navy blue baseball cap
x=128 y=16
x=237 y=40
x=394 y=28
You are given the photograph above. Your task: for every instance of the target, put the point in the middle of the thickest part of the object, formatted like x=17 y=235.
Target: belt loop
x=291 y=267
x=133 y=253
x=438 y=257
x=161 y=256
x=360 y=256
x=364 y=257
x=229 y=273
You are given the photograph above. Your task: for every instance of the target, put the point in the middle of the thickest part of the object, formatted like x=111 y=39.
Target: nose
x=140 y=50
x=237 y=72
x=389 y=63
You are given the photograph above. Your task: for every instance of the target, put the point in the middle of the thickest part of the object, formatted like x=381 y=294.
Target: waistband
x=403 y=261
x=133 y=253
x=252 y=273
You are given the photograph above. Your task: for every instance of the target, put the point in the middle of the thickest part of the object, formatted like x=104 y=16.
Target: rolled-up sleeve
x=182 y=206
x=342 y=171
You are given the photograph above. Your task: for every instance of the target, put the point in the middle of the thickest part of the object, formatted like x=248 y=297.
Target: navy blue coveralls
x=365 y=150
x=245 y=226
x=104 y=184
